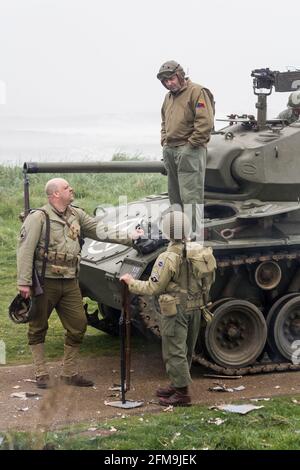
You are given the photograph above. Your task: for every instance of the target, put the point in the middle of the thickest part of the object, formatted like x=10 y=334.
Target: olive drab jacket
x=187 y=116
x=179 y=279
x=64 y=242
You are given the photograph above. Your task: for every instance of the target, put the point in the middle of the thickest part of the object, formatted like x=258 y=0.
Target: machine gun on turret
x=266 y=79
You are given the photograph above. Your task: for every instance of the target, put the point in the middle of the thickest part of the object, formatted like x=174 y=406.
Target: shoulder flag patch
x=200 y=104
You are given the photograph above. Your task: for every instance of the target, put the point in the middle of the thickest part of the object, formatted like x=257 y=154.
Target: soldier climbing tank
x=252 y=222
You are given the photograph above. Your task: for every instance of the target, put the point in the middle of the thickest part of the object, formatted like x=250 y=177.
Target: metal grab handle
x=228 y=233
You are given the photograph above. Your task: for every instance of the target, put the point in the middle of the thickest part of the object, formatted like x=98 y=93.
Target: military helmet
x=168 y=69
x=294 y=99
x=19 y=310
x=176 y=225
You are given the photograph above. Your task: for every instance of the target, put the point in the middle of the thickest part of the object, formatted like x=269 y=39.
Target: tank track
x=256 y=368
x=151 y=322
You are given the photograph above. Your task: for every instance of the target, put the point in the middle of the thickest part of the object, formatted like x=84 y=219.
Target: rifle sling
x=47 y=239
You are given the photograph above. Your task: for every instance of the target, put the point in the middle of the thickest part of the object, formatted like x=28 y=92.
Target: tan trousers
x=64 y=295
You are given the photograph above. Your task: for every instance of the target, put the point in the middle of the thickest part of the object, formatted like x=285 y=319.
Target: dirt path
x=62 y=405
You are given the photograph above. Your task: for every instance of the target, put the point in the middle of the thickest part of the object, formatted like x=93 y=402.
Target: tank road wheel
x=219 y=302
x=287 y=327
x=200 y=345
x=237 y=334
x=272 y=349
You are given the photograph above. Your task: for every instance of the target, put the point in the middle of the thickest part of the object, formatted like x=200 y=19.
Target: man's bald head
x=54 y=185
x=59 y=192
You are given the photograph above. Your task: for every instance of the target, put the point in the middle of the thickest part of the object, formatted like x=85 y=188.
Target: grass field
x=91 y=190
x=275 y=426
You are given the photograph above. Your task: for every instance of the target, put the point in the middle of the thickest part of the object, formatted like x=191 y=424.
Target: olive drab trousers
x=186 y=173
x=64 y=295
x=179 y=336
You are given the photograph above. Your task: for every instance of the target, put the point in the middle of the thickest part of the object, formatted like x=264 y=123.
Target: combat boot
x=181 y=397
x=165 y=391
x=77 y=380
x=41 y=374
x=70 y=374
x=43 y=381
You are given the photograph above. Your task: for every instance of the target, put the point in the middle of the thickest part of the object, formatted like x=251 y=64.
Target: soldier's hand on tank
x=127 y=278
x=137 y=233
x=25 y=291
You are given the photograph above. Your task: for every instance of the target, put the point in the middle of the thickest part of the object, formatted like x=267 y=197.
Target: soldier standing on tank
x=68 y=225
x=292 y=113
x=180 y=299
x=187 y=119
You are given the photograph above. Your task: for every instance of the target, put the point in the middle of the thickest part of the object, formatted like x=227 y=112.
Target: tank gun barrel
x=96 y=167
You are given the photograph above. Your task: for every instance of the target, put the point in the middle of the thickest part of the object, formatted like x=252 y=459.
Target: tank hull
x=257 y=248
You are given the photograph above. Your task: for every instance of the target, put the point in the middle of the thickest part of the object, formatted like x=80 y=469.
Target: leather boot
x=41 y=373
x=181 y=397
x=43 y=381
x=77 y=380
x=165 y=391
x=70 y=374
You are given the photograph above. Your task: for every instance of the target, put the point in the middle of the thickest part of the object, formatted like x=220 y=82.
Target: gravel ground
x=63 y=405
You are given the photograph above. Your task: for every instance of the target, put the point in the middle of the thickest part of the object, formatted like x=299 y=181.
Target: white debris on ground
x=169 y=408
x=24 y=395
x=217 y=421
x=240 y=409
x=224 y=388
x=260 y=399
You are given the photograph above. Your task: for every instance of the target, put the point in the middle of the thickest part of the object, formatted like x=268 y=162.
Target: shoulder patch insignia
x=160 y=263
x=200 y=104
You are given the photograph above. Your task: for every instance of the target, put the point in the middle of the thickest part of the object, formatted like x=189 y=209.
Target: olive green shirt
x=64 y=246
x=187 y=116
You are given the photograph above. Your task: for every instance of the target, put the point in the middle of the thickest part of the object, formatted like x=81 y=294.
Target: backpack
x=201 y=267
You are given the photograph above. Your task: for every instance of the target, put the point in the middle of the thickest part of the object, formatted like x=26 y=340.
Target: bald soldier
x=68 y=225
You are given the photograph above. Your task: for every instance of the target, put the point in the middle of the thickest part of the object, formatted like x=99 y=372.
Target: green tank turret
x=252 y=222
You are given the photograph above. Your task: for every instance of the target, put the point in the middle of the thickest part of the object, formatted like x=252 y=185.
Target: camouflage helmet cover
x=176 y=226
x=19 y=310
x=170 y=68
x=294 y=99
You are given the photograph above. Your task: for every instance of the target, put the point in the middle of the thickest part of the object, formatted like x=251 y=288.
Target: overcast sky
x=62 y=57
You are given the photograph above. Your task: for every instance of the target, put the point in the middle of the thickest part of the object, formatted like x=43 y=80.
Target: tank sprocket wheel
x=237 y=334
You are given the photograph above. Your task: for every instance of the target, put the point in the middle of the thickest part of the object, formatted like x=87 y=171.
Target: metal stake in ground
x=125 y=353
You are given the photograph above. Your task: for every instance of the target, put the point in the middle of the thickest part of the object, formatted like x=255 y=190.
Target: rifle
x=125 y=353
x=125 y=332
x=26 y=194
x=37 y=281
x=37 y=288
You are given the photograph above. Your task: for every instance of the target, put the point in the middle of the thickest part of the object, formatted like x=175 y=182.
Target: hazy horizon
x=87 y=57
